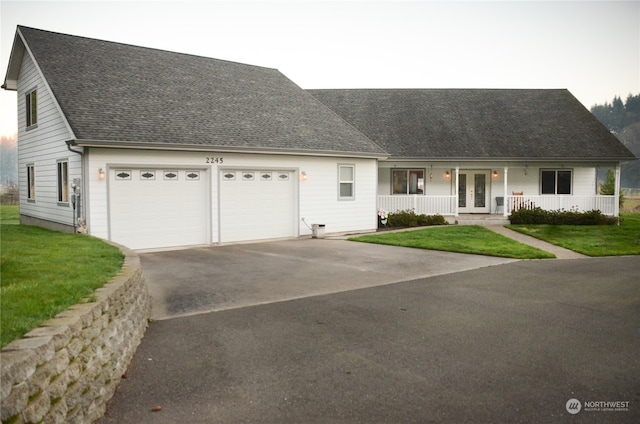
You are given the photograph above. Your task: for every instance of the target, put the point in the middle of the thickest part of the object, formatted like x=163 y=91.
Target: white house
x=155 y=149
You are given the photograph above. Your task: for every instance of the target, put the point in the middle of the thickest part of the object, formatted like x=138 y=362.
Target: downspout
x=505 y=201
x=457 y=191
x=616 y=200
x=77 y=197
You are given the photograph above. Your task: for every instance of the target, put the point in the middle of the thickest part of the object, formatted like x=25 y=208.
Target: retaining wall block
x=68 y=369
x=37 y=408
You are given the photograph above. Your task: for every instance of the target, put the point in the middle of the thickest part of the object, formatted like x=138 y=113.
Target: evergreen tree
x=618 y=115
x=608 y=187
x=632 y=107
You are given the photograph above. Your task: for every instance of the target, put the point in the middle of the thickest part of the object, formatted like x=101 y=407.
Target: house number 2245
x=215 y=160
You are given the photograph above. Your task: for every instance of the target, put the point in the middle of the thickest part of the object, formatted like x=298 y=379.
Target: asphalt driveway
x=514 y=342
x=186 y=282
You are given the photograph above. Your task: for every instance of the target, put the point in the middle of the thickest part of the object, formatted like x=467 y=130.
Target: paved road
x=508 y=343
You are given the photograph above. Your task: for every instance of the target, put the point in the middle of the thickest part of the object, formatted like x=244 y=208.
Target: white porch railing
x=446 y=205
x=605 y=204
x=427 y=205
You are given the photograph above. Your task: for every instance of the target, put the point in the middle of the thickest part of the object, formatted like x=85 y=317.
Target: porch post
x=505 y=200
x=616 y=200
x=455 y=190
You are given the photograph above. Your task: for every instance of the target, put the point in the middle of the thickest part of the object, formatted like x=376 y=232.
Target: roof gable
x=476 y=123
x=115 y=93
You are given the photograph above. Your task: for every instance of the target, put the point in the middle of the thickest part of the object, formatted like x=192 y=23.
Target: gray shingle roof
x=119 y=93
x=476 y=123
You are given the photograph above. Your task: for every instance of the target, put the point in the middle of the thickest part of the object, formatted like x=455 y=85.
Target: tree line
x=618 y=115
x=623 y=120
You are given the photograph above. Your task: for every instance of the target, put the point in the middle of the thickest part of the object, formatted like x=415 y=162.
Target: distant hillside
x=623 y=120
x=630 y=137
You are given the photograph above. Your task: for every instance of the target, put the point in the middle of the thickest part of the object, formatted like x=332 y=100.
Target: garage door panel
x=257 y=205
x=158 y=212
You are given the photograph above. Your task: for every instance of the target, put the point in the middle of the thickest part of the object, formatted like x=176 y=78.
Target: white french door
x=473 y=193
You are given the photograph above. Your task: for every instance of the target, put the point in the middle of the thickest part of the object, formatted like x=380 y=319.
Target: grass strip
x=474 y=240
x=597 y=240
x=45 y=272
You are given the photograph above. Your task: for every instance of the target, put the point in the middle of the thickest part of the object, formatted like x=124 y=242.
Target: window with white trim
x=555 y=181
x=407 y=181
x=31 y=108
x=346 y=178
x=31 y=182
x=63 y=181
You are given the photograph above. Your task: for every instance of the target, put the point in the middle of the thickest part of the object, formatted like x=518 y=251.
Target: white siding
x=43 y=146
x=319 y=203
x=317 y=196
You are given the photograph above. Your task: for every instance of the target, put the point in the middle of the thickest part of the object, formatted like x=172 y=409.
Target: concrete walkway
x=560 y=252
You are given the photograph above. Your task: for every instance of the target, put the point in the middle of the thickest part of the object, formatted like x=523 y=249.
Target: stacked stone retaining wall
x=68 y=369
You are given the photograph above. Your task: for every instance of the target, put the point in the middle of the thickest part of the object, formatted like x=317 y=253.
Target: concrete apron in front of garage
x=206 y=279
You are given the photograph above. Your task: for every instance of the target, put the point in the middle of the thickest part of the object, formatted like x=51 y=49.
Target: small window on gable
x=31 y=107
x=554 y=181
x=63 y=181
x=346 y=177
x=31 y=182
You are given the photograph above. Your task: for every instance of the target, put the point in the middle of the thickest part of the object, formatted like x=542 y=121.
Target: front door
x=473 y=196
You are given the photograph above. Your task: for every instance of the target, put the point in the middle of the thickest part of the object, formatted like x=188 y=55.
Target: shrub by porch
x=539 y=216
x=408 y=218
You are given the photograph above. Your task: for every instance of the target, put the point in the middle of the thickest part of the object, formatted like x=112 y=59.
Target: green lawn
x=631 y=204
x=45 y=272
x=599 y=240
x=462 y=239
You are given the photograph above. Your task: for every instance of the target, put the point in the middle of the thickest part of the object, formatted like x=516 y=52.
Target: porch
x=500 y=205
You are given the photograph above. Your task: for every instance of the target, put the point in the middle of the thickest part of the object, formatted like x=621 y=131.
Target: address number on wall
x=215 y=160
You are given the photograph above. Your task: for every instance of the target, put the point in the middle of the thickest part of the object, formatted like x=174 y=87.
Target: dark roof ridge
x=406 y=89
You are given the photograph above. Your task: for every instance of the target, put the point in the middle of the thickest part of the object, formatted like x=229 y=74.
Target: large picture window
x=31 y=108
x=63 y=181
x=553 y=181
x=407 y=181
x=346 y=176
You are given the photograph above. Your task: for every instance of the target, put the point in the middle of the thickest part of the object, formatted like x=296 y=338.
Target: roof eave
x=223 y=149
x=511 y=159
x=15 y=60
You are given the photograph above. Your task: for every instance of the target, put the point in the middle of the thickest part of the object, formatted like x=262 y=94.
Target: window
x=31 y=182
x=63 y=181
x=555 y=182
x=31 y=107
x=407 y=181
x=346 y=176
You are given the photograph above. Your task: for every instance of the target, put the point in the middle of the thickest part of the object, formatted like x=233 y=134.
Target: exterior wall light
x=447 y=175
x=101 y=174
x=304 y=176
x=495 y=174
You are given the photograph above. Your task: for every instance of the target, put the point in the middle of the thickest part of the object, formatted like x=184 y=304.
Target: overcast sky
x=591 y=48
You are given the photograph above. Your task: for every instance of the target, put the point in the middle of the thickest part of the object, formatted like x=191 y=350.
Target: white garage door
x=257 y=205
x=158 y=208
